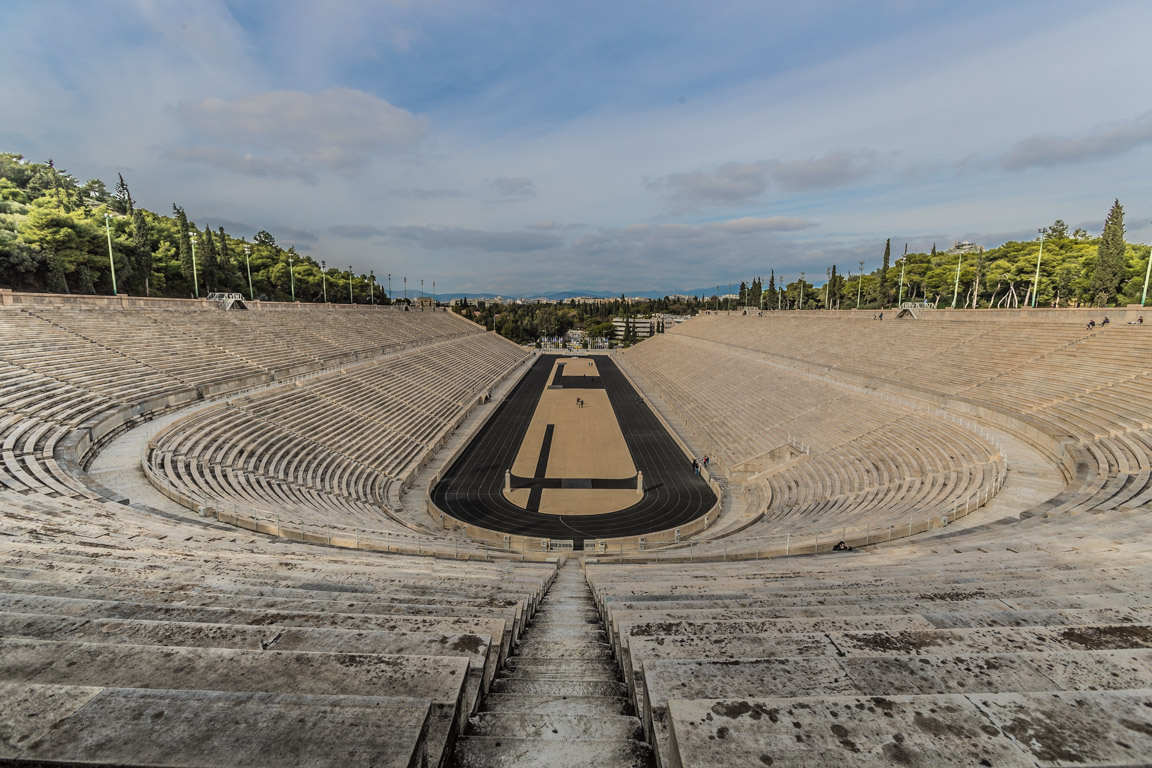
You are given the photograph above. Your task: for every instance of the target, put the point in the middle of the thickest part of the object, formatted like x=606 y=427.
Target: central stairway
x=559 y=702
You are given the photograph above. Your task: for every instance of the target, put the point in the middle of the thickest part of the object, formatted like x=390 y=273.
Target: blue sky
x=522 y=147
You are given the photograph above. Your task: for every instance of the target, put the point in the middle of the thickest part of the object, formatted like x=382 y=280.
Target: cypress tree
x=882 y=286
x=142 y=247
x=1109 y=257
x=184 y=244
x=229 y=274
x=210 y=262
x=123 y=202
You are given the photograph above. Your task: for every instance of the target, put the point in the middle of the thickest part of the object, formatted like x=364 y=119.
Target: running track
x=471 y=489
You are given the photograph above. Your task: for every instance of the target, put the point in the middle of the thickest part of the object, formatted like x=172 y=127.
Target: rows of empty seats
x=925 y=656
x=129 y=639
x=1021 y=641
x=325 y=450
x=134 y=637
x=870 y=461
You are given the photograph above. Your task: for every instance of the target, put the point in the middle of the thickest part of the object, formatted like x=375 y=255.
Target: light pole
x=956 y=286
x=903 y=264
x=859 y=285
x=292 y=279
x=248 y=266
x=421 y=294
x=1036 y=280
x=111 y=263
x=195 y=280
x=1147 y=272
x=434 y=303
x=827 y=287
x=350 y=301
x=324 y=278
x=372 y=286
x=405 y=290
x=800 y=302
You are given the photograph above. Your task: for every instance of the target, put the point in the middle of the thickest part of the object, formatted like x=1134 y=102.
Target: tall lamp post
x=372 y=286
x=903 y=264
x=1147 y=274
x=324 y=278
x=111 y=263
x=859 y=285
x=956 y=285
x=827 y=287
x=350 y=301
x=292 y=279
x=195 y=280
x=405 y=290
x=248 y=266
x=421 y=294
x=1036 y=280
x=800 y=301
x=390 y=301
x=434 y=303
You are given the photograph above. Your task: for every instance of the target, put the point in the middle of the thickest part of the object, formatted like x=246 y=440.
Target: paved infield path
x=471 y=489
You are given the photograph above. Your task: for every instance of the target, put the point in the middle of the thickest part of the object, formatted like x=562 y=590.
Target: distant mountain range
x=565 y=295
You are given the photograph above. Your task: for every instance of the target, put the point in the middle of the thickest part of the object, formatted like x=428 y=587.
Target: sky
x=532 y=147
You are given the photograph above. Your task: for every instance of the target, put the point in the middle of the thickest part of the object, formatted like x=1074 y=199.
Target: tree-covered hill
x=56 y=233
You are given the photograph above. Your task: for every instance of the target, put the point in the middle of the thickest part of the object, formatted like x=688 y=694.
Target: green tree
x=142 y=251
x=184 y=248
x=1110 y=266
x=882 y=284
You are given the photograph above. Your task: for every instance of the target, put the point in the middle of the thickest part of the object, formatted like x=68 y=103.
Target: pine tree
x=142 y=247
x=122 y=202
x=229 y=274
x=833 y=289
x=184 y=244
x=1109 y=257
x=882 y=286
x=84 y=280
x=54 y=280
x=210 y=263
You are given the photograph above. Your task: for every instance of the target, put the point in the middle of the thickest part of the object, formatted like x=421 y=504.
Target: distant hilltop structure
x=963 y=246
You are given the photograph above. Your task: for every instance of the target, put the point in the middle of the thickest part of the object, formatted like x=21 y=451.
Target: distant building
x=964 y=247
x=643 y=327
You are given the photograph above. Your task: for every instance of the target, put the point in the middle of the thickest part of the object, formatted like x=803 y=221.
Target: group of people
x=697 y=464
x=1104 y=322
x=879 y=316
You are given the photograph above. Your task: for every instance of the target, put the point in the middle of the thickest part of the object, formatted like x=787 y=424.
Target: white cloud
x=730 y=184
x=446 y=238
x=337 y=129
x=829 y=171
x=510 y=187
x=1115 y=139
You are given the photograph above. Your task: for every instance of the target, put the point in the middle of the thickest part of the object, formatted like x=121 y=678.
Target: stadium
x=345 y=535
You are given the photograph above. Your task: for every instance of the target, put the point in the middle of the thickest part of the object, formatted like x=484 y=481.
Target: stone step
x=574 y=669
x=74 y=725
x=497 y=752
x=559 y=687
x=476 y=648
x=563 y=649
x=530 y=725
x=582 y=633
x=561 y=705
x=1005 y=729
x=437 y=678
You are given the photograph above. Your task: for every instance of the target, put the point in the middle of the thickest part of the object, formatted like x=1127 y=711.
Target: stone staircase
x=559 y=701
